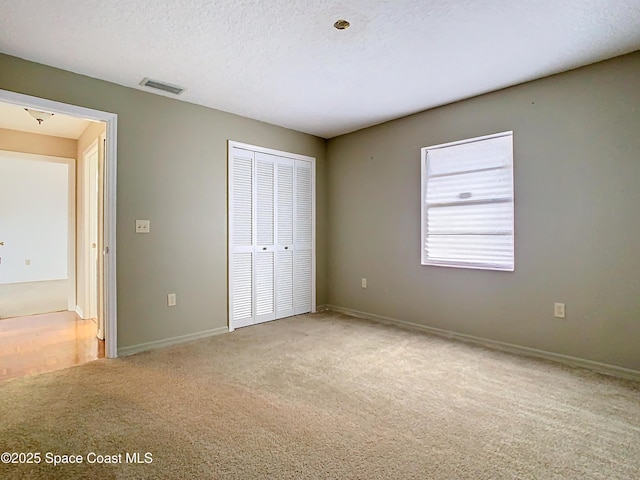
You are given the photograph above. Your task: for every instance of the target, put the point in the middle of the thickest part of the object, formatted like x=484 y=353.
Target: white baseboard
x=143 y=347
x=604 y=368
x=79 y=312
x=321 y=308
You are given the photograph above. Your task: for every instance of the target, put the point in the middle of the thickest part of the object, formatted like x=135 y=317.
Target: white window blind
x=467 y=203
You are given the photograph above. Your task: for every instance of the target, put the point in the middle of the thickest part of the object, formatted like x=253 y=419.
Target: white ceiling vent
x=165 y=87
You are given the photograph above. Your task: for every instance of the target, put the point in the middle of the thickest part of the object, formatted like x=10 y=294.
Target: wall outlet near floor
x=558 y=310
x=143 y=226
x=363 y=283
x=171 y=300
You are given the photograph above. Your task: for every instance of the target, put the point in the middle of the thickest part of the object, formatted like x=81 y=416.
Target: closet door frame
x=234 y=144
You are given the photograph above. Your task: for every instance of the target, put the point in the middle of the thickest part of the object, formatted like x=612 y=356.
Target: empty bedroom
x=361 y=240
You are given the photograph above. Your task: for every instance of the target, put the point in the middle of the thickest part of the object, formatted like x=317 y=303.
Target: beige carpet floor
x=325 y=396
x=33 y=298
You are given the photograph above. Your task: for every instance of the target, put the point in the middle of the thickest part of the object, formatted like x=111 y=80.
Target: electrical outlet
x=27 y=262
x=171 y=300
x=363 y=282
x=143 y=226
x=558 y=310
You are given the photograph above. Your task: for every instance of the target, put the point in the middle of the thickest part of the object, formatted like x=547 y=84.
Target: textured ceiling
x=281 y=61
x=14 y=117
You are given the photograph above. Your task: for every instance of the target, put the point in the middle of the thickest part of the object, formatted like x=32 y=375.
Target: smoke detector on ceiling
x=165 y=87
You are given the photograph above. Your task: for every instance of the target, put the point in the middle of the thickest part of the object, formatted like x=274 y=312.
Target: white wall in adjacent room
x=34 y=216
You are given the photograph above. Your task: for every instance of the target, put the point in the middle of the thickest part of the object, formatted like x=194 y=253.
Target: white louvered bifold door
x=284 y=237
x=303 y=237
x=241 y=224
x=271 y=235
x=264 y=275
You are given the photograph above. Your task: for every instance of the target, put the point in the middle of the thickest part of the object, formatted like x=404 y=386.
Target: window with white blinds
x=467 y=203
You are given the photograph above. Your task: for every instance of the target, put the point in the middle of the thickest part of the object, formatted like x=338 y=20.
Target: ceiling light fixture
x=39 y=115
x=341 y=24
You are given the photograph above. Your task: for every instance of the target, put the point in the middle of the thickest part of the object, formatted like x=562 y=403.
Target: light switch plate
x=143 y=226
x=171 y=300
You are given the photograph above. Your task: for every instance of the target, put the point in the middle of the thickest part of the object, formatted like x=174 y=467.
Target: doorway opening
x=58 y=289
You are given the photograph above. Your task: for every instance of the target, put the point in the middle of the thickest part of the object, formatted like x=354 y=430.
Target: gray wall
x=577 y=184
x=172 y=169
x=577 y=217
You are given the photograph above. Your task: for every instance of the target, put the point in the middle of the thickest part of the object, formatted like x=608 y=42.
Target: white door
x=285 y=214
x=241 y=216
x=264 y=279
x=271 y=217
x=303 y=237
x=92 y=247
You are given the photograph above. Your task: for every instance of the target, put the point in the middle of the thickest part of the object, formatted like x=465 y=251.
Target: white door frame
x=279 y=153
x=110 y=170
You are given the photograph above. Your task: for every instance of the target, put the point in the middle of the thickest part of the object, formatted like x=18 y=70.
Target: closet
x=271 y=234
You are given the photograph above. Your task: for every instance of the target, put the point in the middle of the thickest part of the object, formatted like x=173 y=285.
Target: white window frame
x=425 y=260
